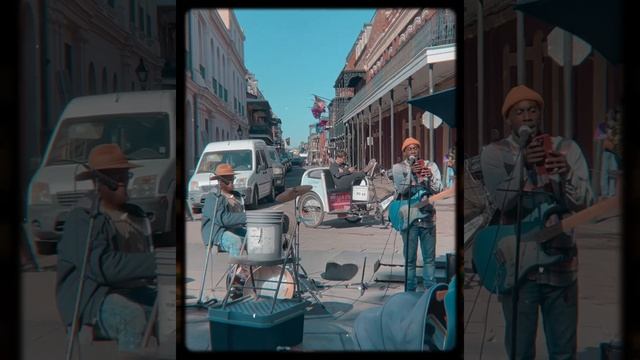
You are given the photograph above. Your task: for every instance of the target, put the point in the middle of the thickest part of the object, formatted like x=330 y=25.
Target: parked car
x=279 y=170
x=297 y=161
x=286 y=161
x=143 y=124
x=254 y=175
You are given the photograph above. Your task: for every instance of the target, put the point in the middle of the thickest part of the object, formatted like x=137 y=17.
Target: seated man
x=223 y=217
x=116 y=298
x=343 y=175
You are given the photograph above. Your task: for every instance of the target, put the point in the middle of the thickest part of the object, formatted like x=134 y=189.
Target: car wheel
x=254 y=199
x=311 y=211
x=272 y=196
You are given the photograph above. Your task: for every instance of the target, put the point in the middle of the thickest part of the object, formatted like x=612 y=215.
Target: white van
x=143 y=124
x=254 y=175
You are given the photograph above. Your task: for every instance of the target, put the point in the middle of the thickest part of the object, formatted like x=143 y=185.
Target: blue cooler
x=248 y=324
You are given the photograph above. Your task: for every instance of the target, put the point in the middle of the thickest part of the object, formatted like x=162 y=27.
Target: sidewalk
x=335 y=240
x=599 y=298
x=43 y=335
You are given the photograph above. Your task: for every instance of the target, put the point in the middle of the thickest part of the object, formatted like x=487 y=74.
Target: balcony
x=262 y=132
x=440 y=30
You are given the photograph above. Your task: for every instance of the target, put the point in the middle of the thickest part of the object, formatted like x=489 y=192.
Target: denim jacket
x=223 y=220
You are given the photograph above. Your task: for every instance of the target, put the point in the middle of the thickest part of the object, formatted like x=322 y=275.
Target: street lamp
x=142 y=73
x=239 y=132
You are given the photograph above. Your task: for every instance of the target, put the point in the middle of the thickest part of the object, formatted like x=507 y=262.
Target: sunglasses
x=413 y=148
x=227 y=179
x=120 y=177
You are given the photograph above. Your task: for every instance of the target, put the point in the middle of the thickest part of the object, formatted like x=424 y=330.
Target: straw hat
x=105 y=157
x=222 y=170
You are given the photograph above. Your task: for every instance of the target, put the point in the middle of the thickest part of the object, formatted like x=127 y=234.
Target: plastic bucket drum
x=264 y=234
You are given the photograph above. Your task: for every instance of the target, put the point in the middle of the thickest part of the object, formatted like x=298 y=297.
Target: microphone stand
x=209 y=245
x=406 y=243
x=95 y=210
x=516 y=290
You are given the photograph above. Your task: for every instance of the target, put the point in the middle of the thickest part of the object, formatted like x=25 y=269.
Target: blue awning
x=441 y=104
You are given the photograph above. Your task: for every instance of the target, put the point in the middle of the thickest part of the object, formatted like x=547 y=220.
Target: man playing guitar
x=556 y=181
x=409 y=177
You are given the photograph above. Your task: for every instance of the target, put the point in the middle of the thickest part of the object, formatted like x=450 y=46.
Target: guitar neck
x=589 y=213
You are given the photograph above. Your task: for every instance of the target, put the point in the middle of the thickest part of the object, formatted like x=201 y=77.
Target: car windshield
x=240 y=160
x=140 y=136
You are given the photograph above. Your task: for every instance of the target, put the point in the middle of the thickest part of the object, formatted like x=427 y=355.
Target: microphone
x=412 y=160
x=524 y=132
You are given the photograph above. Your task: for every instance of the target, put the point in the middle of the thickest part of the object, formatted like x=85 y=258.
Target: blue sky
x=297 y=53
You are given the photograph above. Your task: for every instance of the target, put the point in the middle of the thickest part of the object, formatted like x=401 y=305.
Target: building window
x=133 y=86
x=132 y=11
x=203 y=72
x=112 y=3
x=215 y=86
x=226 y=95
x=218 y=64
x=115 y=82
x=188 y=59
x=148 y=26
x=213 y=58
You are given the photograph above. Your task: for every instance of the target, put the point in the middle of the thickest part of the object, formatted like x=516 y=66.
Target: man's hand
x=556 y=163
x=352 y=169
x=534 y=154
x=416 y=168
x=427 y=172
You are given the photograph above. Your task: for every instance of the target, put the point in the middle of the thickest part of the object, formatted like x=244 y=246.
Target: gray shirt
x=502 y=164
x=502 y=173
x=405 y=182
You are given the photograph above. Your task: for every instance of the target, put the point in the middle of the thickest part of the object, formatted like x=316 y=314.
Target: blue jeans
x=559 y=308
x=124 y=316
x=427 y=238
x=231 y=242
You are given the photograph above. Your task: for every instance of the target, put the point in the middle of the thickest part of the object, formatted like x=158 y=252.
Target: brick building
x=596 y=84
x=402 y=54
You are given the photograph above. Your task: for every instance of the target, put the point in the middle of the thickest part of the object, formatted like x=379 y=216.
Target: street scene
x=308 y=174
x=97 y=177
x=329 y=321
x=542 y=187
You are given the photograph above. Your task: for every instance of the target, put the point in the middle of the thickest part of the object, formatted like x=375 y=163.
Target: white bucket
x=264 y=234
